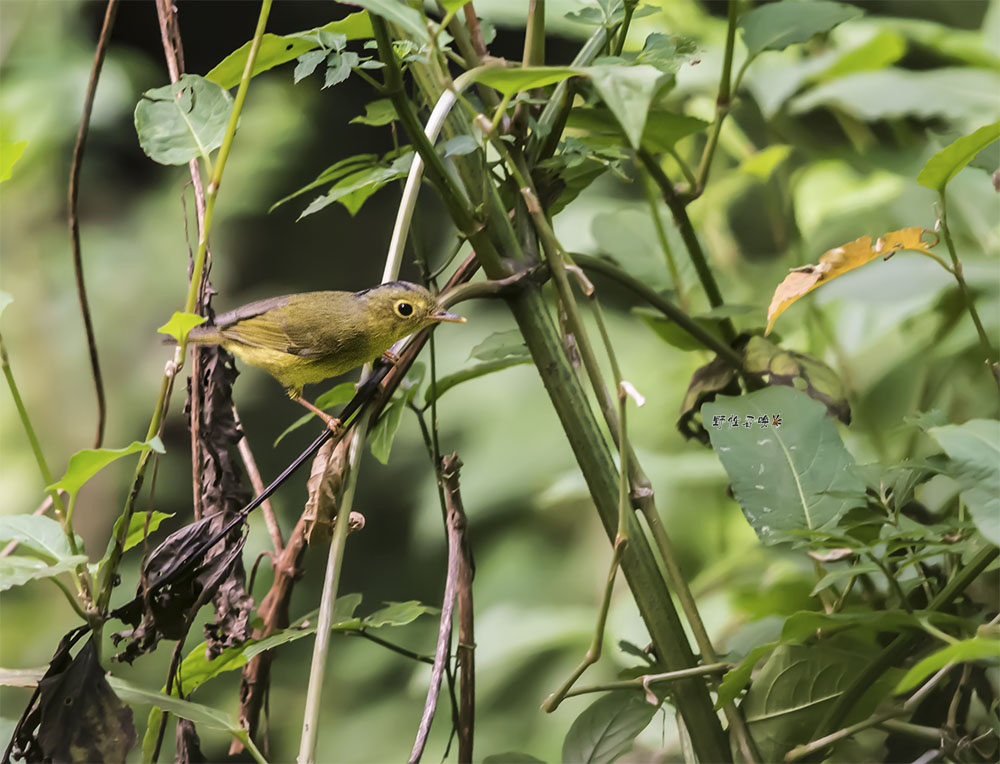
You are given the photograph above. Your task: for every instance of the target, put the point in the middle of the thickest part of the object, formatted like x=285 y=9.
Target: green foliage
x=975 y=649
x=180 y=324
x=786 y=461
x=775 y=26
x=280 y=49
x=182 y=121
x=607 y=727
x=86 y=463
x=973 y=449
x=10 y=152
x=944 y=165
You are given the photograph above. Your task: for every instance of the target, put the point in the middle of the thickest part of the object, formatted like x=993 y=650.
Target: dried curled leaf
x=839 y=261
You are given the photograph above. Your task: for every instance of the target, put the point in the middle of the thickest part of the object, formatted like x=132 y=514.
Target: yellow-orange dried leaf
x=840 y=260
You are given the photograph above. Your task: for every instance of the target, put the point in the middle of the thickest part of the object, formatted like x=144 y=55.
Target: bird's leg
x=335 y=425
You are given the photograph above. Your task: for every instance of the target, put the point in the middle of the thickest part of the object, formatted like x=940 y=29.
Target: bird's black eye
x=404 y=309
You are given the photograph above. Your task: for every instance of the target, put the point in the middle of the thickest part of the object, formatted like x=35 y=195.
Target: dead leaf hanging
x=840 y=260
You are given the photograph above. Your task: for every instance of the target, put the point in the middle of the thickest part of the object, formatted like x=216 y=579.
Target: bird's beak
x=443 y=315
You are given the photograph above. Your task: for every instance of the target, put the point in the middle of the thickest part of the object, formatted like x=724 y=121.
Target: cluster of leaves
x=886 y=566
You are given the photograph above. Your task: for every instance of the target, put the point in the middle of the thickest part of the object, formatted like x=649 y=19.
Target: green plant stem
x=661 y=237
x=571 y=406
x=623 y=31
x=82 y=578
x=683 y=222
x=956 y=270
x=331 y=582
x=110 y=569
x=597 y=641
x=723 y=102
x=662 y=304
x=641 y=683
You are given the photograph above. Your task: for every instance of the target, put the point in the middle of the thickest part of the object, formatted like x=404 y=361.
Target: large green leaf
x=445 y=383
x=793 y=690
x=397 y=614
x=607 y=727
x=183 y=120
x=973 y=449
x=789 y=477
x=628 y=92
x=956 y=94
x=139 y=525
x=279 y=49
x=944 y=165
x=86 y=463
x=42 y=535
x=16 y=570
x=775 y=26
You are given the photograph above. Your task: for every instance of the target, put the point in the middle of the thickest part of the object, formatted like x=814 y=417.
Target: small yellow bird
x=303 y=338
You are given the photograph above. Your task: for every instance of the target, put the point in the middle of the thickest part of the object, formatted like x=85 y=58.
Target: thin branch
x=74 y=220
x=270 y=519
x=723 y=102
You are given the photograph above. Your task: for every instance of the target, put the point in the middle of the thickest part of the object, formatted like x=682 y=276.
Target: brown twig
x=466 y=650
x=250 y=465
x=74 y=220
x=475 y=31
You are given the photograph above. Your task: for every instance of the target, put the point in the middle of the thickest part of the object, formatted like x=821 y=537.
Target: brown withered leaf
x=717 y=376
x=326 y=478
x=840 y=260
x=77 y=715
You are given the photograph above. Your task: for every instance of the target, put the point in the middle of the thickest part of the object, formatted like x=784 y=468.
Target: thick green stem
x=573 y=409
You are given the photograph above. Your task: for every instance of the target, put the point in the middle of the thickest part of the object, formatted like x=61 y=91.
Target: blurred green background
x=857 y=141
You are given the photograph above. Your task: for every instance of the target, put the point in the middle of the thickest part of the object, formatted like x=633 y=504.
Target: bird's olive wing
x=267 y=324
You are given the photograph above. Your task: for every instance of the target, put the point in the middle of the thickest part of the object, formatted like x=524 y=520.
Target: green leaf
x=510 y=81
x=397 y=614
x=339 y=67
x=86 y=463
x=662 y=130
x=180 y=324
x=511 y=757
x=10 y=152
x=775 y=26
x=400 y=14
x=279 y=49
x=628 y=92
x=761 y=164
x=445 y=383
x=42 y=535
x=136 y=530
x=354 y=190
x=792 y=692
x=507 y=344
x=307 y=64
x=973 y=449
x=183 y=120
x=944 y=165
x=736 y=679
x=202 y=715
x=16 y=570
x=607 y=728
x=333 y=172
x=882 y=50
x=783 y=477
x=956 y=94
x=384 y=431
x=377 y=113
x=6 y=298
x=974 y=649
x=460 y=145
x=671 y=333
